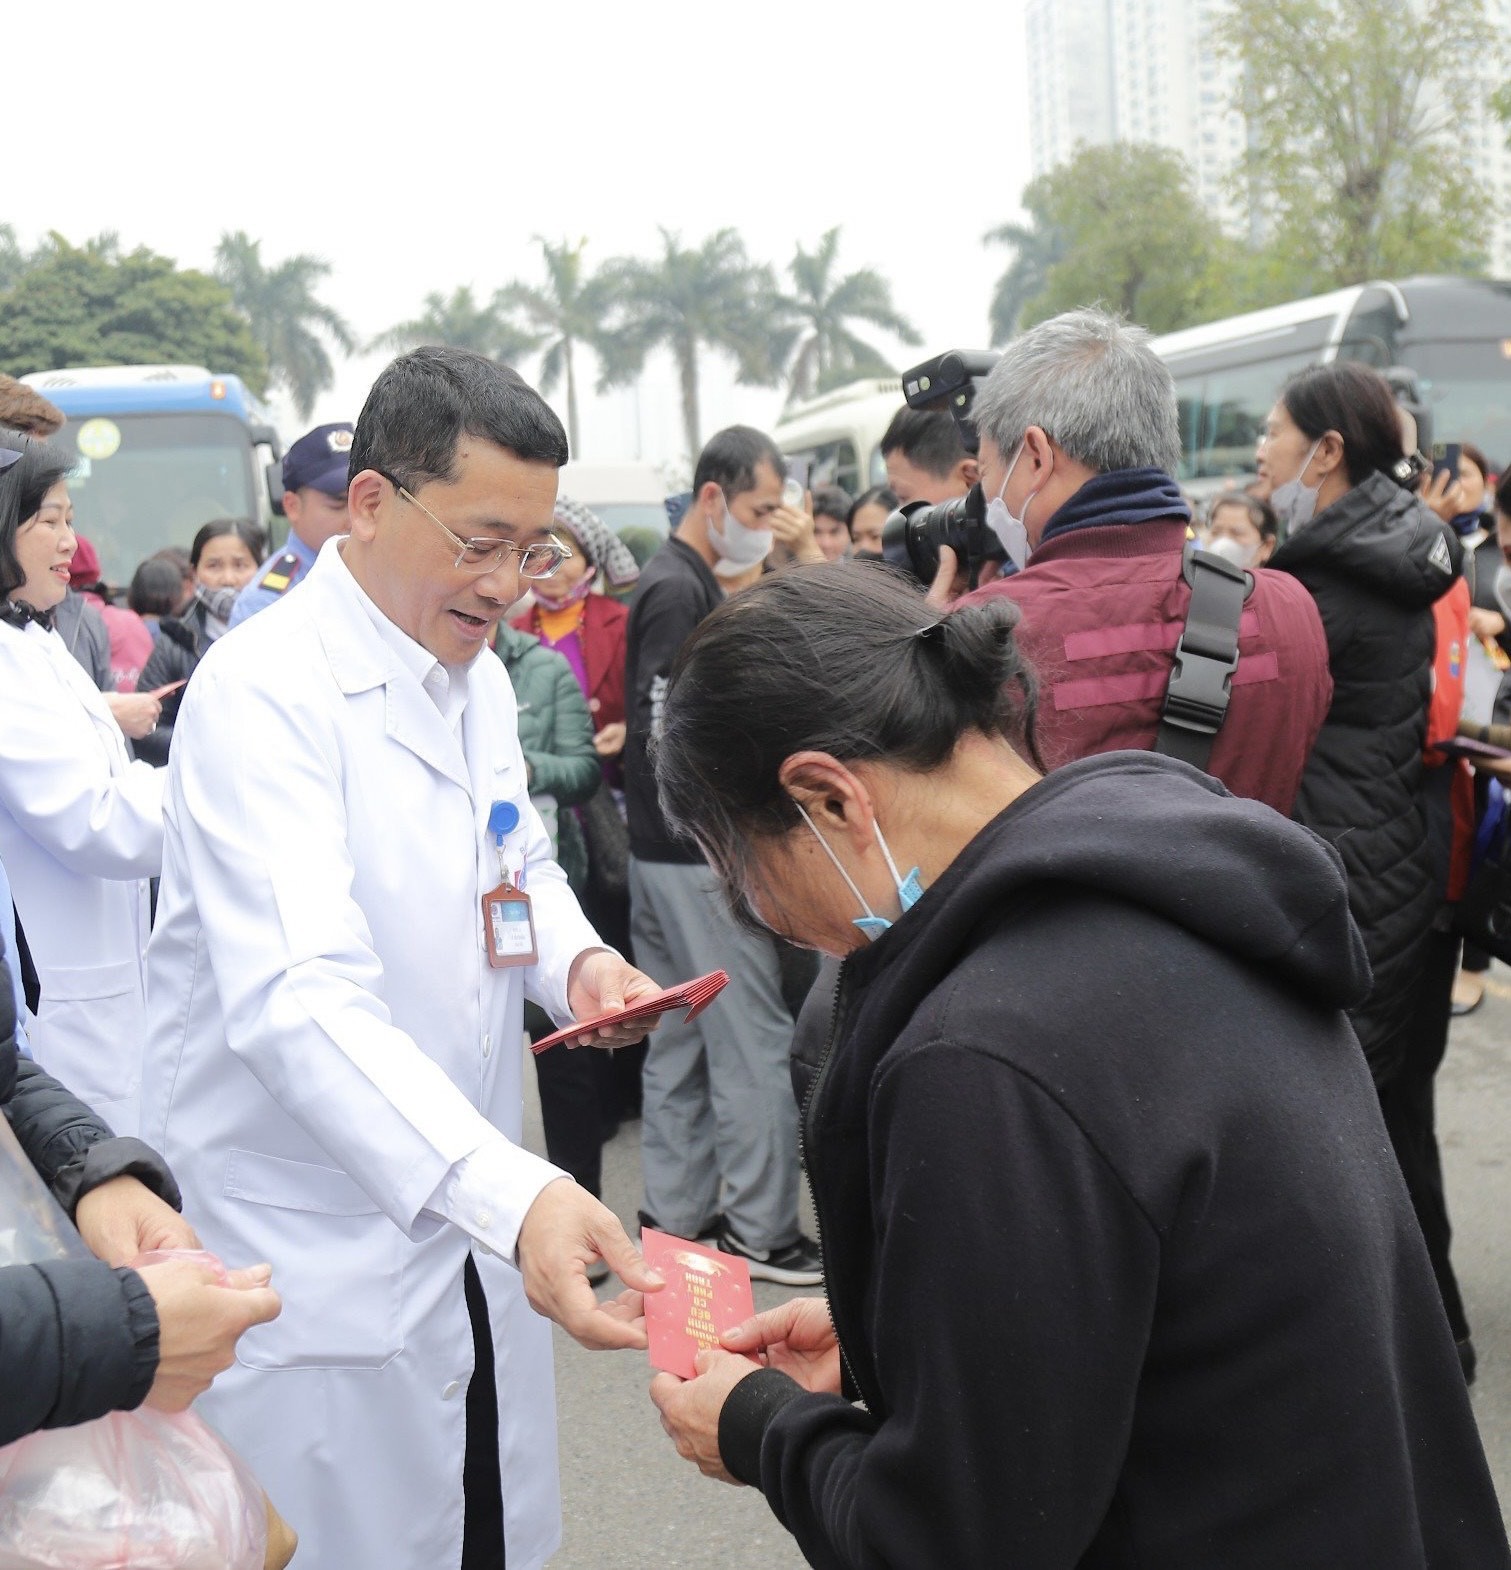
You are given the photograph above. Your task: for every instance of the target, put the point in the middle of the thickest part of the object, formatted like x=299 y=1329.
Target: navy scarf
x=1121 y=496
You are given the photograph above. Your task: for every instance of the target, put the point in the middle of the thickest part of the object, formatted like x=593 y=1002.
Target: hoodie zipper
x=805 y=1156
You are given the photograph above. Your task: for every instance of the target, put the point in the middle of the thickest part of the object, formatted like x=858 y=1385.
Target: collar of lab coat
x=362 y=659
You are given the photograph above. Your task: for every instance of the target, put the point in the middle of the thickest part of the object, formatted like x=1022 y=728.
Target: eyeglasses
x=482 y=555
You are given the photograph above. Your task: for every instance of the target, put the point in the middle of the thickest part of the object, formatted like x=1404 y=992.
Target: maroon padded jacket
x=1103 y=610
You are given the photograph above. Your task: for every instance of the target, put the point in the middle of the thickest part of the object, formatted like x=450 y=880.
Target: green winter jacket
x=556 y=735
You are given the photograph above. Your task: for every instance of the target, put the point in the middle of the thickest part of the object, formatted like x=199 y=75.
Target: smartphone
x=799 y=469
x=1445 y=459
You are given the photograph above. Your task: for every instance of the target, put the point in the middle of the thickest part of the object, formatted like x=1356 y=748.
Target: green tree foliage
x=1354 y=110
x=1036 y=246
x=568 y=312
x=825 y=350
x=1120 y=226
x=690 y=300
x=288 y=321
x=94 y=305
x=460 y=321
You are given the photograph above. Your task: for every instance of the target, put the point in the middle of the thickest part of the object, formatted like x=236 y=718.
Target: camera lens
x=913 y=535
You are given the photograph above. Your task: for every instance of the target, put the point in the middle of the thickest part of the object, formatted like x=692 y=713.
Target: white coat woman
x=81 y=823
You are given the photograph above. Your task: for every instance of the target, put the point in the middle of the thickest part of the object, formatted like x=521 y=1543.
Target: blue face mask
x=909 y=889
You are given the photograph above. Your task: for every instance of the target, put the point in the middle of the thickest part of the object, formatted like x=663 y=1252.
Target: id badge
x=509 y=927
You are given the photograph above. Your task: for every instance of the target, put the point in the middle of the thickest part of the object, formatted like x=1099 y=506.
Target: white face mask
x=1295 y=504
x=1235 y=551
x=738 y=548
x=909 y=889
x=1011 y=531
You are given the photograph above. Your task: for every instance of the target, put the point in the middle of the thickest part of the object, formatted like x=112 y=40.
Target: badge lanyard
x=508 y=926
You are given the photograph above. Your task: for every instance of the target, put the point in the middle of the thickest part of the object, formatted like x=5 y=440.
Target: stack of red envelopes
x=694 y=996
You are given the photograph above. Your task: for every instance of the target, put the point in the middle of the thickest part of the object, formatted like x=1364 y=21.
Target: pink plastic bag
x=146 y=1490
x=142 y=1490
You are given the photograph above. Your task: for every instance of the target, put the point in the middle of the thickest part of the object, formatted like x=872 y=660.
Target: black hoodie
x=1375 y=562
x=1119 y=1257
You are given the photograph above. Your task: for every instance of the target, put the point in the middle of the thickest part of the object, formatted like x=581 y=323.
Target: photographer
x=1079 y=439
x=926 y=460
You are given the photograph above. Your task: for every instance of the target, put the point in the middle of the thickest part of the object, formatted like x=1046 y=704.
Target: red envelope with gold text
x=706 y=1293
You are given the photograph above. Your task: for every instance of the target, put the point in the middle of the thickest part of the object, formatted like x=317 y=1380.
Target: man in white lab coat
x=335 y=1068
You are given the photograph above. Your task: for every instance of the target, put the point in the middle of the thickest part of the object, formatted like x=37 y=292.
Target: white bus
x=1454 y=333
x=839 y=433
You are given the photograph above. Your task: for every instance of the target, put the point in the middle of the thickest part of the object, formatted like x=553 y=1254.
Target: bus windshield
x=153 y=479
x=1468 y=386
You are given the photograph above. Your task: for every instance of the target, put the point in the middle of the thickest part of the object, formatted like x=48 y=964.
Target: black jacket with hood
x=1376 y=562
x=78 y=1339
x=1115 y=1245
x=181 y=644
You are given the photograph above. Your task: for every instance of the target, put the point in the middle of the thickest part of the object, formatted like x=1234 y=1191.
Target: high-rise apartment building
x=1149 y=71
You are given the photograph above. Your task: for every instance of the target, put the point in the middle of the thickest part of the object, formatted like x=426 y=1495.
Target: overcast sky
x=419 y=147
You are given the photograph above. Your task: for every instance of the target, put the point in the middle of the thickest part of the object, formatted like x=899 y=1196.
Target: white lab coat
x=81 y=833
x=328 y=1039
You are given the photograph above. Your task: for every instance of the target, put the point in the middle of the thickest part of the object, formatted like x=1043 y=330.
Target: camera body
x=914 y=534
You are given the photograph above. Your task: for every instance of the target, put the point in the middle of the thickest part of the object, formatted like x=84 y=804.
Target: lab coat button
x=451 y=1390
x=487 y=1046
x=485 y=1218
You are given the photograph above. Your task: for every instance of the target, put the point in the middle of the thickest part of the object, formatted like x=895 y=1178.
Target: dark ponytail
x=841 y=657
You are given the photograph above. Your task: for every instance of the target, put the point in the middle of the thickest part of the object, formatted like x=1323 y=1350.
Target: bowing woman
x=81 y=823
x=1117 y=1255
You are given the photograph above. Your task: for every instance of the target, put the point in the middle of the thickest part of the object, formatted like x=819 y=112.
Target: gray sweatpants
x=718 y=1094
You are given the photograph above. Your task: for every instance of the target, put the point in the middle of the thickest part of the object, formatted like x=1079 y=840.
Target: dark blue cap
x=320 y=459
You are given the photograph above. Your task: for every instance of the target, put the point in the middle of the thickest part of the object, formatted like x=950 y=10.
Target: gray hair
x=1093 y=385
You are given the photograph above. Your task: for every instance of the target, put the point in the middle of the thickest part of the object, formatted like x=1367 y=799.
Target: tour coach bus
x=162 y=449
x=1454 y=333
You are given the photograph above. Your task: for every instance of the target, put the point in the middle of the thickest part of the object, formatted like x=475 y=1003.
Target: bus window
x=832 y=463
x=1188 y=403
x=1468 y=386
x=1222 y=414
x=165 y=476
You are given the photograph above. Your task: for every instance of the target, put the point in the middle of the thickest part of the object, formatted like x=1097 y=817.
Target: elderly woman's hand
x=797 y=1339
x=690 y=1408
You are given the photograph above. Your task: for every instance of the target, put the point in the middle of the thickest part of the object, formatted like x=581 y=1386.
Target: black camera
x=949 y=381
x=914 y=534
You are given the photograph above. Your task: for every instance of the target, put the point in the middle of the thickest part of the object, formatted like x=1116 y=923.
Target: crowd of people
x=301 y=847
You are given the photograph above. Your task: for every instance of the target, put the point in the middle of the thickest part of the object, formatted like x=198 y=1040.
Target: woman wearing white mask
x=81 y=824
x=1375 y=559
x=1243 y=530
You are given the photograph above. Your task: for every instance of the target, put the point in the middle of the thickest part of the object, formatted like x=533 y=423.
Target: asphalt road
x=629 y=1501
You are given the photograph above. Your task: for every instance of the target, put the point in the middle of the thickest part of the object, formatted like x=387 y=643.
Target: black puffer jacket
x=1376 y=561
x=77 y=1338
x=181 y=644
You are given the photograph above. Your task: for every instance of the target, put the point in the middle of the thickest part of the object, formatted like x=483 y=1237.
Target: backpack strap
x=1196 y=701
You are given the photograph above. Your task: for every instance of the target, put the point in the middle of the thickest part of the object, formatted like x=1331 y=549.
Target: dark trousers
x=571 y=1105
x=1408 y=1101
x=482 y=1492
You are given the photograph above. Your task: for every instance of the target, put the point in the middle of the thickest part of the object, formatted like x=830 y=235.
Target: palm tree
x=460 y=322
x=569 y=311
x=689 y=300
x=289 y=323
x=823 y=307
x=1035 y=251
